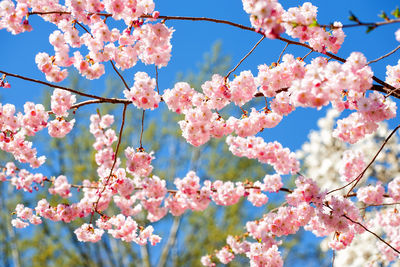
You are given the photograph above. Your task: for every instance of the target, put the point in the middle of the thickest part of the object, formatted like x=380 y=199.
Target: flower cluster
x=138 y=162
x=61 y=187
x=371 y=110
x=142 y=93
x=265 y=15
x=273 y=153
x=301 y=22
x=104 y=139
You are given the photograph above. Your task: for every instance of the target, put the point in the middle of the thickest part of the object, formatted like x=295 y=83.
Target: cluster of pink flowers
x=34 y=119
x=24 y=214
x=306 y=191
x=254 y=122
x=127 y=10
x=371 y=110
x=389 y=220
x=154 y=45
x=61 y=102
x=331 y=217
x=13 y=18
x=196 y=127
x=15 y=128
x=298 y=22
x=242 y=88
x=270 y=79
x=21 y=178
x=180 y=97
x=88 y=233
x=371 y=194
x=47 y=65
x=265 y=15
x=61 y=187
x=139 y=40
x=138 y=162
x=393 y=73
x=126 y=229
x=352 y=165
x=394 y=189
x=103 y=145
x=217 y=91
x=142 y=93
x=325 y=82
x=273 y=153
x=190 y=195
x=301 y=22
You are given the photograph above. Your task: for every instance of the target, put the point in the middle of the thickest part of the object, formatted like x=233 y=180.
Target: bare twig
x=119 y=74
x=373 y=159
x=306 y=55
x=248 y=54
x=358 y=178
x=384 y=56
x=369 y=231
x=98 y=101
x=281 y=54
x=141 y=132
x=83 y=27
x=52 y=85
x=158 y=91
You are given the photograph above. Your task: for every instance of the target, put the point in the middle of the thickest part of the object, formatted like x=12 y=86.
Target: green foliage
x=396 y=13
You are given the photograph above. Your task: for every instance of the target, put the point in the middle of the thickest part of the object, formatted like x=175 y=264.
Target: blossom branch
x=369 y=231
x=53 y=85
x=115 y=159
x=98 y=101
x=358 y=178
x=234 y=25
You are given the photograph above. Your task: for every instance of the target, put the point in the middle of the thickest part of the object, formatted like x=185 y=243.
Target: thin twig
x=248 y=54
x=141 y=132
x=96 y=204
x=52 y=85
x=281 y=54
x=383 y=204
x=384 y=56
x=373 y=159
x=369 y=231
x=119 y=74
x=358 y=178
x=83 y=27
x=158 y=91
x=98 y=101
x=306 y=55
x=330 y=26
